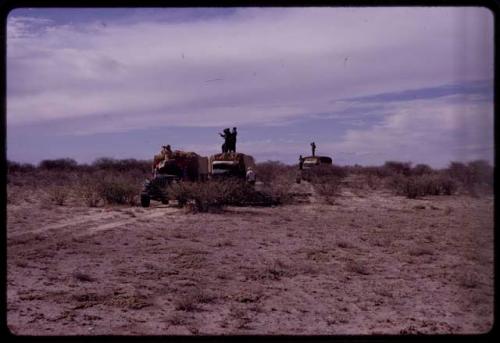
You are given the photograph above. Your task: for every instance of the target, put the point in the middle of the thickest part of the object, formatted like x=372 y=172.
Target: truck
x=311 y=162
x=179 y=166
x=230 y=164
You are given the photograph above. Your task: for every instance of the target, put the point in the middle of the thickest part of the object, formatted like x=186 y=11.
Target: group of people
x=229 y=140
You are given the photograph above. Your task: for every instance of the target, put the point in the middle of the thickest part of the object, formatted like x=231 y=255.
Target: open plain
x=368 y=262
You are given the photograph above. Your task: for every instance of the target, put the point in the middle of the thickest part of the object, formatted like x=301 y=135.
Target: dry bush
x=421 y=169
x=58 y=194
x=65 y=164
x=278 y=192
x=475 y=177
x=378 y=171
x=193 y=297
x=277 y=269
x=395 y=167
x=277 y=178
x=269 y=171
x=89 y=191
x=15 y=167
x=427 y=184
x=118 y=191
x=216 y=194
x=326 y=180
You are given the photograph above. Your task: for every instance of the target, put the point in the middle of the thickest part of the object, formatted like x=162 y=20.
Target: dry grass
x=83 y=277
x=191 y=301
x=58 y=195
x=468 y=279
x=358 y=267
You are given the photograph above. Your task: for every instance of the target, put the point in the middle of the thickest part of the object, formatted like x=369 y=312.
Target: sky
x=367 y=85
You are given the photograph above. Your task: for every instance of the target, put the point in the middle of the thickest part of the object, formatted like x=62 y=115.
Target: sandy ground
x=371 y=263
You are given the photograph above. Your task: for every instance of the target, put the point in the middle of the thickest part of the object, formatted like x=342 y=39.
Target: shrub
x=58 y=195
x=268 y=171
x=326 y=180
x=123 y=165
x=215 y=194
x=380 y=172
x=421 y=169
x=59 y=164
x=118 y=191
x=414 y=186
x=460 y=172
x=403 y=168
x=90 y=192
x=13 y=167
x=481 y=172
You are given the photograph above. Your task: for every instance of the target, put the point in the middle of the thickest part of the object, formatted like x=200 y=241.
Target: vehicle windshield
x=223 y=166
x=221 y=171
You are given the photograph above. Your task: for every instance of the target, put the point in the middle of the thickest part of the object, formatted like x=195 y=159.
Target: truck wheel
x=145 y=200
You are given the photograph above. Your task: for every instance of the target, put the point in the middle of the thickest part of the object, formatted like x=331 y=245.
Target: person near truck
x=165 y=153
x=313 y=147
x=232 y=145
x=251 y=177
x=301 y=162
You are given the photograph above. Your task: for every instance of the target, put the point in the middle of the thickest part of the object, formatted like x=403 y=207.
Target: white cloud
x=272 y=65
x=433 y=131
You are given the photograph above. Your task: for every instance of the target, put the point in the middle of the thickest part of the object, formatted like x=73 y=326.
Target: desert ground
x=368 y=262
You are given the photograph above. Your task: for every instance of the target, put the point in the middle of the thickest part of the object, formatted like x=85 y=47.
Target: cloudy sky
x=366 y=84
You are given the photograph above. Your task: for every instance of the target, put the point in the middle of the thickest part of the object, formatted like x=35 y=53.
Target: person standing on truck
x=227 y=139
x=232 y=145
x=167 y=151
x=301 y=162
x=251 y=177
x=313 y=147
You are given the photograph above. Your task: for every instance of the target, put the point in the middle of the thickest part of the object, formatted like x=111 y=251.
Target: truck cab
x=312 y=161
x=230 y=165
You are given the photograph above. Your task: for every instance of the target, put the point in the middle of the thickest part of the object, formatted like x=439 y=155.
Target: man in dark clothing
x=301 y=162
x=232 y=145
x=227 y=139
x=313 y=147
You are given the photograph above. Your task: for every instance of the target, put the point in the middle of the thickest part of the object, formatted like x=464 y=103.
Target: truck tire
x=145 y=200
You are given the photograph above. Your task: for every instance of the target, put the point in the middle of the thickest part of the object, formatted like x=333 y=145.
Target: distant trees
x=58 y=164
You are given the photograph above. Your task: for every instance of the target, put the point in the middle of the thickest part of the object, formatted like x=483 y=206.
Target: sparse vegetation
x=58 y=194
x=110 y=181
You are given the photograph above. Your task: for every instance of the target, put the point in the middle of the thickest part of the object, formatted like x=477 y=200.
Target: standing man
x=227 y=139
x=313 y=147
x=233 y=140
x=301 y=162
x=251 y=177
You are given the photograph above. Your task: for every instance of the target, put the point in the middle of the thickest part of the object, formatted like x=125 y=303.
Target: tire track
x=93 y=223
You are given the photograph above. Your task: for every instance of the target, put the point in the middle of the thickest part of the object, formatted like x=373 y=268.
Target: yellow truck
x=180 y=166
x=230 y=164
